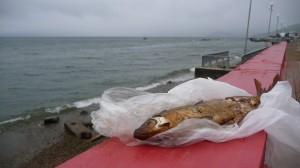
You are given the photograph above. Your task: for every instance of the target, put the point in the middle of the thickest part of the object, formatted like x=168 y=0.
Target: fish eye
x=157 y=122
x=151 y=123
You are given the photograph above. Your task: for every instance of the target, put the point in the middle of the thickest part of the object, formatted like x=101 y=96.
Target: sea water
x=49 y=74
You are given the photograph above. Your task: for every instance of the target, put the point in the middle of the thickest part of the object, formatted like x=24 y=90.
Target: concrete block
x=214 y=73
x=50 y=120
x=77 y=128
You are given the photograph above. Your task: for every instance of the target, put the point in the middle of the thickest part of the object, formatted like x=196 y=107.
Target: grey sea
x=50 y=74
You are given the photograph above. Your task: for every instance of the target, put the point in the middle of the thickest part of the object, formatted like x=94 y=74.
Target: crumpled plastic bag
x=122 y=110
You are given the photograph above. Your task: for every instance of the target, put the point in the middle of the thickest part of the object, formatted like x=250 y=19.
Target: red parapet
x=234 y=154
x=262 y=67
x=245 y=152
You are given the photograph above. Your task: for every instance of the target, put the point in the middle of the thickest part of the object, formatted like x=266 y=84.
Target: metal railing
x=250 y=55
x=223 y=60
x=216 y=59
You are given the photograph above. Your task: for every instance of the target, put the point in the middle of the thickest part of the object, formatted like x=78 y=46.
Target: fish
x=225 y=111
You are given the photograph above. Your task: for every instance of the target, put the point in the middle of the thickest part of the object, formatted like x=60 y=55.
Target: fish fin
x=260 y=90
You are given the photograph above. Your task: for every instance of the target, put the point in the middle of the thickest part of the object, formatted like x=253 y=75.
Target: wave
x=88 y=58
x=59 y=109
x=175 y=76
x=15 y=120
x=32 y=74
x=153 y=85
x=77 y=104
x=175 y=73
x=194 y=55
x=87 y=102
x=31 y=53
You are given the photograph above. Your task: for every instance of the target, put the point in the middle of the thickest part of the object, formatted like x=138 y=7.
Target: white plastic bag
x=122 y=110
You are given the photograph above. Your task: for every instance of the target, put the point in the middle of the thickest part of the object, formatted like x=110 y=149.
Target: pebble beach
x=31 y=144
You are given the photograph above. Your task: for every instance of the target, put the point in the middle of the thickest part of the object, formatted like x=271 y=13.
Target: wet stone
x=51 y=120
x=83 y=112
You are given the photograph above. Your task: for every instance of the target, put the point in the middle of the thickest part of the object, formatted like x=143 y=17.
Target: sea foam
x=87 y=102
x=15 y=120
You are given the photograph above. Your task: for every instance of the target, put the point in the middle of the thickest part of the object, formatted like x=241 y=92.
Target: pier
x=281 y=58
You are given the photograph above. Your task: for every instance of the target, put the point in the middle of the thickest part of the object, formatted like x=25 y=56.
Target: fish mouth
x=141 y=135
x=151 y=127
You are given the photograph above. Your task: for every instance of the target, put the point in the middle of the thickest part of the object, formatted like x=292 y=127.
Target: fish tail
x=260 y=90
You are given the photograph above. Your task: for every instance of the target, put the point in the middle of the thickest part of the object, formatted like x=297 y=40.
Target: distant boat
x=145 y=38
x=253 y=39
x=205 y=39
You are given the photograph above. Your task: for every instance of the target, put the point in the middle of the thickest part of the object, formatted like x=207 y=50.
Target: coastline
x=33 y=144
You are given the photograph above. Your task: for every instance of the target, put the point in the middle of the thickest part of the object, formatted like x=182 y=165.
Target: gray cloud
x=140 y=17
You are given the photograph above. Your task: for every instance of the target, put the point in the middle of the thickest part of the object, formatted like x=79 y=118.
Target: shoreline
x=33 y=144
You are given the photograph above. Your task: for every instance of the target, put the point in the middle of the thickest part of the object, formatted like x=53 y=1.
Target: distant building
x=295 y=35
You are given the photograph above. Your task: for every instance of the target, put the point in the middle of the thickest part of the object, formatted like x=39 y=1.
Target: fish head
x=151 y=127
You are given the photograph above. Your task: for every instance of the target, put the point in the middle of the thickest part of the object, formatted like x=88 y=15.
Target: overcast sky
x=141 y=17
